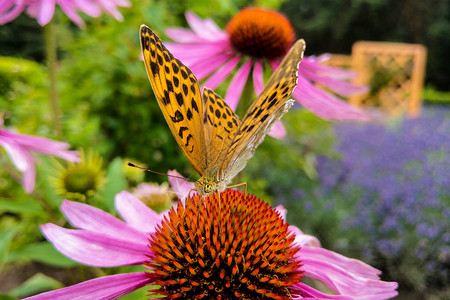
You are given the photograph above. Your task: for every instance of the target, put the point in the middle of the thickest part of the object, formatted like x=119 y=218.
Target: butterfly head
x=209 y=182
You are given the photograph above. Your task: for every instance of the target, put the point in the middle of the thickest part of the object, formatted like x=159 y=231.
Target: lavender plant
x=397 y=180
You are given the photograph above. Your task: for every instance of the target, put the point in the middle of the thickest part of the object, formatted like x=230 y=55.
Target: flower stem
x=51 y=53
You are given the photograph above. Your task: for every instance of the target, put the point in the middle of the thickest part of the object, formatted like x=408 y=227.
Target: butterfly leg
x=240 y=184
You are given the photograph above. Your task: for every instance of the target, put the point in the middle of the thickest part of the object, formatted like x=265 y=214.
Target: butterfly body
x=210 y=183
x=213 y=139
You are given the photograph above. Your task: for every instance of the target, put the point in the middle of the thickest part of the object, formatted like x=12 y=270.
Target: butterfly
x=211 y=136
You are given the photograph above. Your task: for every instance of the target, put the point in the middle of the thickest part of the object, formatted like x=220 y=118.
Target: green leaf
x=42 y=252
x=20 y=206
x=115 y=184
x=38 y=283
x=6 y=236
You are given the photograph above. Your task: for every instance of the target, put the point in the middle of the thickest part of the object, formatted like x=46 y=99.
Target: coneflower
x=238 y=249
x=255 y=40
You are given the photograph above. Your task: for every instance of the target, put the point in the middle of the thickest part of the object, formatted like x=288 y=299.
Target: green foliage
x=38 y=283
x=435 y=97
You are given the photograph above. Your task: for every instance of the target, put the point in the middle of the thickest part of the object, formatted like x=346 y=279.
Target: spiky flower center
x=261 y=33
x=235 y=247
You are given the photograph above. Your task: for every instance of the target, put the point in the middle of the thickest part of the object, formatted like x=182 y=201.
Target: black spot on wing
x=194 y=105
x=160 y=60
x=188 y=138
x=259 y=112
x=264 y=118
x=166 y=56
x=184 y=74
x=189 y=114
x=178 y=117
x=154 y=68
x=169 y=85
x=179 y=98
x=175 y=67
x=166 y=98
x=175 y=81
x=145 y=40
x=185 y=89
x=217 y=112
x=181 y=130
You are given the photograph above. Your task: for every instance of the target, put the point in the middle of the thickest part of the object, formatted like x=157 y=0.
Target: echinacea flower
x=238 y=248
x=156 y=196
x=19 y=147
x=258 y=39
x=43 y=10
x=79 y=181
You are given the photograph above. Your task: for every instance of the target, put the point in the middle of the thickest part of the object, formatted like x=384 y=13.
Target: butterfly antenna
x=145 y=169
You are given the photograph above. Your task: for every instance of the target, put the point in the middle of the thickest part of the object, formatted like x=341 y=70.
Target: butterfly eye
x=207 y=188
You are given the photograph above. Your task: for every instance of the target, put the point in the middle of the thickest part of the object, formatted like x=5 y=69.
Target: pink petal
x=90 y=218
x=311 y=293
x=10 y=15
x=278 y=131
x=237 y=84
x=205 y=29
x=43 y=145
x=18 y=155
x=45 y=11
x=107 y=287
x=314 y=64
x=324 y=105
x=110 y=8
x=95 y=249
x=7 y=5
x=89 y=8
x=353 y=265
x=206 y=66
x=343 y=275
x=343 y=88
x=22 y=160
x=181 y=186
x=258 y=80
x=70 y=11
x=321 y=103
x=136 y=213
x=181 y=35
x=302 y=239
x=190 y=54
x=221 y=74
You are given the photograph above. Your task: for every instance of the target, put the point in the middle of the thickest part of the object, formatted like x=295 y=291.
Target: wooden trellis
x=395 y=74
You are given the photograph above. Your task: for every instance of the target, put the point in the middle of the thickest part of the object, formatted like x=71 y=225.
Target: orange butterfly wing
x=178 y=95
x=270 y=106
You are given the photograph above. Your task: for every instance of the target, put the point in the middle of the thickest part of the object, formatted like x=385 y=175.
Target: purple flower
x=397 y=178
x=252 y=37
x=43 y=10
x=187 y=249
x=20 y=146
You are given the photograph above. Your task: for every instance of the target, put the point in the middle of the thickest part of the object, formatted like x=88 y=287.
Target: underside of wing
x=220 y=127
x=266 y=110
x=178 y=95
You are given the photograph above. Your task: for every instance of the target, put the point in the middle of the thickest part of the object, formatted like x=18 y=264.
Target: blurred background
x=378 y=191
